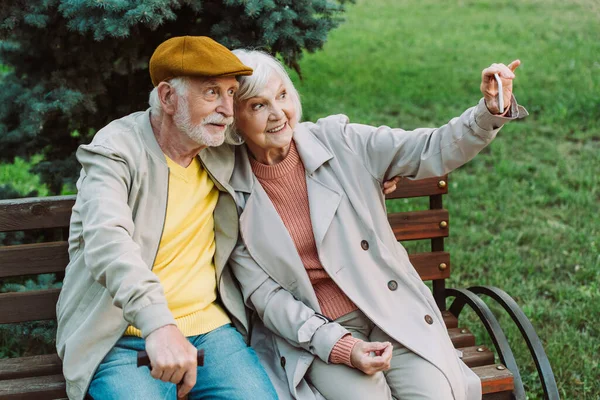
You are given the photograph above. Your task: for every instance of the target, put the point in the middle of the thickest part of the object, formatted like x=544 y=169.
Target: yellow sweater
x=184 y=262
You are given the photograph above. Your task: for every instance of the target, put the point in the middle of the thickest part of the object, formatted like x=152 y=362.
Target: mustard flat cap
x=193 y=56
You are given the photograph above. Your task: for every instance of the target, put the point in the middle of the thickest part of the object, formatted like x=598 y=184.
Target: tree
x=72 y=66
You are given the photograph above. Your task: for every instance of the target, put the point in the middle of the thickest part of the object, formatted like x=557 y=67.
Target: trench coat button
x=392 y=285
x=282 y=362
x=428 y=319
x=365 y=245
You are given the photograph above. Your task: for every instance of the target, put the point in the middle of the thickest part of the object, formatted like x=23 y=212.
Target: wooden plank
x=494 y=380
x=417 y=225
x=423 y=187
x=450 y=320
x=35 y=213
x=476 y=356
x=430 y=266
x=461 y=337
x=508 y=395
x=35 y=388
x=38 y=258
x=26 y=367
x=28 y=306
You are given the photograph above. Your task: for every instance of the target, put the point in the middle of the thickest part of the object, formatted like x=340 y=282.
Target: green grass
x=525 y=212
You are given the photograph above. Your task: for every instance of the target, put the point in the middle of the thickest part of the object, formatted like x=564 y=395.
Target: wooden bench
x=40 y=377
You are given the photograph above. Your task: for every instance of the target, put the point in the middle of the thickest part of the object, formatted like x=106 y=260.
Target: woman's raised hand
x=489 y=86
x=362 y=357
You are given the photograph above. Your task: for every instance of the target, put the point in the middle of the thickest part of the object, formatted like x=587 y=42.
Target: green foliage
x=75 y=65
x=17 y=181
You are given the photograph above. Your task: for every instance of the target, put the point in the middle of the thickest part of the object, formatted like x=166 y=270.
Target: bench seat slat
x=38 y=258
x=423 y=187
x=461 y=337
x=506 y=395
x=25 y=367
x=35 y=388
x=35 y=213
x=476 y=356
x=416 y=225
x=494 y=380
x=28 y=306
x=428 y=264
x=450 y=320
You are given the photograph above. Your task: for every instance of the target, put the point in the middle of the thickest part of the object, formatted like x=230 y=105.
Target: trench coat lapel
x=219 y=163
x=273 y=249
x=323 y=198
x=323 y=202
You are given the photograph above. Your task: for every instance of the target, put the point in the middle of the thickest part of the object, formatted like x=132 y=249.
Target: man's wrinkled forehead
x=222 y=82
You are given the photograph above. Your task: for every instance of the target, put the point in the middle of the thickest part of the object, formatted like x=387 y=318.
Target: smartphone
x=500 y=94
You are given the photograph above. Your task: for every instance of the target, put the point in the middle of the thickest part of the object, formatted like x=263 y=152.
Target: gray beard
x=198 y=133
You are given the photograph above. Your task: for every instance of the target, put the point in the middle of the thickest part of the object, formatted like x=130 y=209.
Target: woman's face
x=267 y=121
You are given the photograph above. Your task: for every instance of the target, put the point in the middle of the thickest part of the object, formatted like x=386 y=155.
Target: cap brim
x=243 y=72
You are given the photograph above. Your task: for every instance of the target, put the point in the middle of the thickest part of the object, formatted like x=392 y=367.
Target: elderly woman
x=339 y=310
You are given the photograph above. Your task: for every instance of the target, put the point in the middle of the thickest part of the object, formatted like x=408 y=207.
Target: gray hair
x=180 y=84
x=264 y=65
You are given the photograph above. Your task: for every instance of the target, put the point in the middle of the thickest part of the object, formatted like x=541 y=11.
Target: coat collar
x=147 y=134
x=219 y=162
x=312 y=153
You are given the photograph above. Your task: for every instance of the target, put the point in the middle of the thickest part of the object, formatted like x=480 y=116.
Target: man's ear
x=167 y=97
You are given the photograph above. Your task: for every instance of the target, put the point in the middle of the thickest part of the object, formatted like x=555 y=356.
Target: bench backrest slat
x=28 y=306
x=417 y=225
x=37 y=258
x=423 y=187
x=24 y=367
x=35 y=213
x=431 y=266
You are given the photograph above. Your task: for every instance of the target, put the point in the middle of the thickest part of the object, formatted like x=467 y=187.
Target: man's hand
x=489 y=86
x=390 y=186
x=362 y=359
x=173 y=358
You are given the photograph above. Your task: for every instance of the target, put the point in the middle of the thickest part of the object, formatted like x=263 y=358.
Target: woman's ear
x=167 y=97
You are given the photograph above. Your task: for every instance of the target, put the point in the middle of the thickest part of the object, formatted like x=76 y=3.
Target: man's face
x=205 y=112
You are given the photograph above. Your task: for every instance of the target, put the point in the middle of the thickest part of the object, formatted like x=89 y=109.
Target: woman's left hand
x=390 y=186
x=362 y=358
x=489 y=86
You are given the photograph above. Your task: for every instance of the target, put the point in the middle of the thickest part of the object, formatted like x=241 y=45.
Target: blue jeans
x=231 y=371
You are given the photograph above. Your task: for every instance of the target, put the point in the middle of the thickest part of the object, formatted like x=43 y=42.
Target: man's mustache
x=216 y=118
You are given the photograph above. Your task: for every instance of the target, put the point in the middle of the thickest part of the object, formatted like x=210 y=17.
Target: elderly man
x=151 y=230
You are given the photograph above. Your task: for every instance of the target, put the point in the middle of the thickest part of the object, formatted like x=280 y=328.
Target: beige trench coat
x=345 y=167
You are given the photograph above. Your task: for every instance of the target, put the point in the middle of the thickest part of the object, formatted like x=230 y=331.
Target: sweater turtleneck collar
x=276 y=171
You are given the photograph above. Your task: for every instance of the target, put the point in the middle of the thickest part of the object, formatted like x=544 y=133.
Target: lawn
x=525 y=214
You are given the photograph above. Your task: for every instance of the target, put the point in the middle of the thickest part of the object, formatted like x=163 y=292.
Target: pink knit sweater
x=285 y=184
